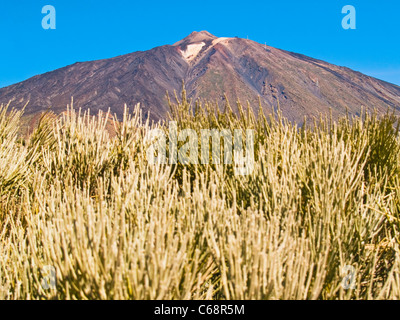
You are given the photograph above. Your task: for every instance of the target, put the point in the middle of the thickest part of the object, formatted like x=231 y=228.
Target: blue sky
x=90 y=30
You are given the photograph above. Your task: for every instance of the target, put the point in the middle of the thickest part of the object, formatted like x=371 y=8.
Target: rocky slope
x=210 y=67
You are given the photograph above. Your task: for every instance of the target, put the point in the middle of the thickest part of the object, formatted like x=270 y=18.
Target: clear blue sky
x=90 y=30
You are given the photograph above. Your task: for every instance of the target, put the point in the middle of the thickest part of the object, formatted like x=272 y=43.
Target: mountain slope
x=210 y=67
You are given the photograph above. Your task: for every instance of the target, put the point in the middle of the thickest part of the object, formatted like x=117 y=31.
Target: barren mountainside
x=210 y=67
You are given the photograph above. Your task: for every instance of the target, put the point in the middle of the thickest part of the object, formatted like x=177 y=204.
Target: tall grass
x=87 y=202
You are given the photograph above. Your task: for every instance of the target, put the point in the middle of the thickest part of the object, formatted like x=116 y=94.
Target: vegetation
x=322 y=196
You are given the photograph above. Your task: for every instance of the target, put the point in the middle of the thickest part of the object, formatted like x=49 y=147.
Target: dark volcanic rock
x=211 y=67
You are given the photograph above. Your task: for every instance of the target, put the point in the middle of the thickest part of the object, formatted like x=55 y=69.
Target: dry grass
x=320 y=197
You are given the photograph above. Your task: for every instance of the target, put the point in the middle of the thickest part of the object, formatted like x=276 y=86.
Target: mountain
x=210 y=67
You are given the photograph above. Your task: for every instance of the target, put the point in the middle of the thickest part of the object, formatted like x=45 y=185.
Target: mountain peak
x=216 y=69
x=196 y=37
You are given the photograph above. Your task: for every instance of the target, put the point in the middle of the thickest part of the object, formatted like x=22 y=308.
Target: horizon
x=100 y=31
x=200 y=156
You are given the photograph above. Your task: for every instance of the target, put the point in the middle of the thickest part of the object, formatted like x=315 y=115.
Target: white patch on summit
x=192 y=50
x=218 y=40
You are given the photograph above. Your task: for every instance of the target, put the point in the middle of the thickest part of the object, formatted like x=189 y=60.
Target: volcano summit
x=211 y=68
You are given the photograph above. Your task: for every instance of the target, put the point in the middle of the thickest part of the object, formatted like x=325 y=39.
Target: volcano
x=212 y=68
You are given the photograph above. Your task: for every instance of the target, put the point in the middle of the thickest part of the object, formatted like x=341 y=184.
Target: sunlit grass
x=87 y=202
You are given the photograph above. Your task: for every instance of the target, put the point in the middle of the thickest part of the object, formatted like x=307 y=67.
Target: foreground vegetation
x=85 y=201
